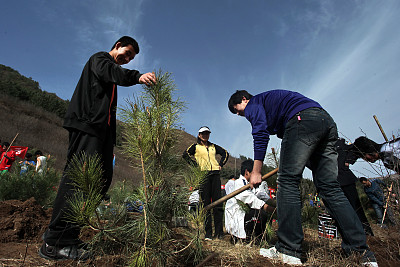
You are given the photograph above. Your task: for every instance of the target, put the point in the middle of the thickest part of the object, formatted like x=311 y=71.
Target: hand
x=255 y=179
x=268 y=208
x=265 y=207
x=148 y=78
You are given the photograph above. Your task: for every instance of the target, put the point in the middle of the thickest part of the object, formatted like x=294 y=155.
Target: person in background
x=91 y=123
x=204 y=153
x=27 y=164
x=230 y=185
x=375 y=194
x=388 y=152
x=41 y=163
x=7 y=158
x=347 y=181
x=239 y=222
x=308 y=136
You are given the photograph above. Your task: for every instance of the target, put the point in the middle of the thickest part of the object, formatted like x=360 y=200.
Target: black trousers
x=350 y=191
x=60 y=232
x=255 y=222
x=210 y=190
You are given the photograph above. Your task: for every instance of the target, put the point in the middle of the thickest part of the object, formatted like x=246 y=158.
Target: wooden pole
x=380 y=128
x=238 y=191
x=387 y=202
x=8 y=148
x=390 y=189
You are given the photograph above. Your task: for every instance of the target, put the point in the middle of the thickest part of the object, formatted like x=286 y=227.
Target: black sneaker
x=66 y=253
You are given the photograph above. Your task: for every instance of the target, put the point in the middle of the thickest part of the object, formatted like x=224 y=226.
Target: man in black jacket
x=347 y=181
x=388 y=152
x=91 y=123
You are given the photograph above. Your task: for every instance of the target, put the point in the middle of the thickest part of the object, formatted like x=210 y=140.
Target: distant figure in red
x=7 y=158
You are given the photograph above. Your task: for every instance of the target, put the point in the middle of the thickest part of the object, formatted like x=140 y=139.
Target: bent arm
x=251 y=199
x=224 y=155
x=188 y=153
x=106 y=70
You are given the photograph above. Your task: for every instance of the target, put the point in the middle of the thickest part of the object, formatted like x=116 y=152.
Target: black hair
x=236 y=98
x=125 y=41
x=28 y=155
x=38 y=153
x=246 y=165
x=362 y=179
x=364 y=145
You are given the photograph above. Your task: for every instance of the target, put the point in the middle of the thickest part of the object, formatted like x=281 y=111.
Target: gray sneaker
x=65 y=253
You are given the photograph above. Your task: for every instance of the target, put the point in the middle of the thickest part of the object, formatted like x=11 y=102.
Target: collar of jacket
x=244 y=179
x=199 y=142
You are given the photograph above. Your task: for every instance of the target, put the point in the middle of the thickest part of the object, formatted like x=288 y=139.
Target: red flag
x=20 y=151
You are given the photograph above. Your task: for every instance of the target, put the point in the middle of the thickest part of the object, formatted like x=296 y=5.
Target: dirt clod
x=22 y=221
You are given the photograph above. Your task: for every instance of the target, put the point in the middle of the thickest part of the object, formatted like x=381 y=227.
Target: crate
x=326 y=227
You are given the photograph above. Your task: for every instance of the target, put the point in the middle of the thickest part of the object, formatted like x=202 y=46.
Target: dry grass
x=325 y=252
x=317 y=251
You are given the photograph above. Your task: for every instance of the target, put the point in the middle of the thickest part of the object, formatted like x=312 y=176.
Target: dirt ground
x=23 y=223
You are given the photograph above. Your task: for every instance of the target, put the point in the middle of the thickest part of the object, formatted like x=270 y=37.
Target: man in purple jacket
x=308 y=136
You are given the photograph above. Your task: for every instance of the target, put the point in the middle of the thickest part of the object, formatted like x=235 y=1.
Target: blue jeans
x=310 y=139
x=379 y=212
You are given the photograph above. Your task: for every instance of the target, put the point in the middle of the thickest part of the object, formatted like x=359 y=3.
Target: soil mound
x=22 y=220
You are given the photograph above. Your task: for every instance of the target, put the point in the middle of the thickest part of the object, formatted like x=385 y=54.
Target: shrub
x=22 y=187
x=309 y=215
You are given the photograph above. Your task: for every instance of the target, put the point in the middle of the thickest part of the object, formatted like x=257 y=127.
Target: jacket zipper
x=209 y=160
x=111 y=102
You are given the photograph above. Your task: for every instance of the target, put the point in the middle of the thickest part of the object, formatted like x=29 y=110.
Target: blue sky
x=344 y=54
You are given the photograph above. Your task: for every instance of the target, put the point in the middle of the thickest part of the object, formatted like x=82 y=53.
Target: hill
x=14 y=84
x=39 y=124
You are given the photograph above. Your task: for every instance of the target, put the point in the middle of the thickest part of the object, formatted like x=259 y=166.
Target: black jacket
x=93 y=105
x=345 y=175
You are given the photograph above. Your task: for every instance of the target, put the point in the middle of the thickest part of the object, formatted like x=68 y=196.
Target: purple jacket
x=269 y=112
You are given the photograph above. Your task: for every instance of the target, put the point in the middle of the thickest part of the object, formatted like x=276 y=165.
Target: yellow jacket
x=205 y=156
